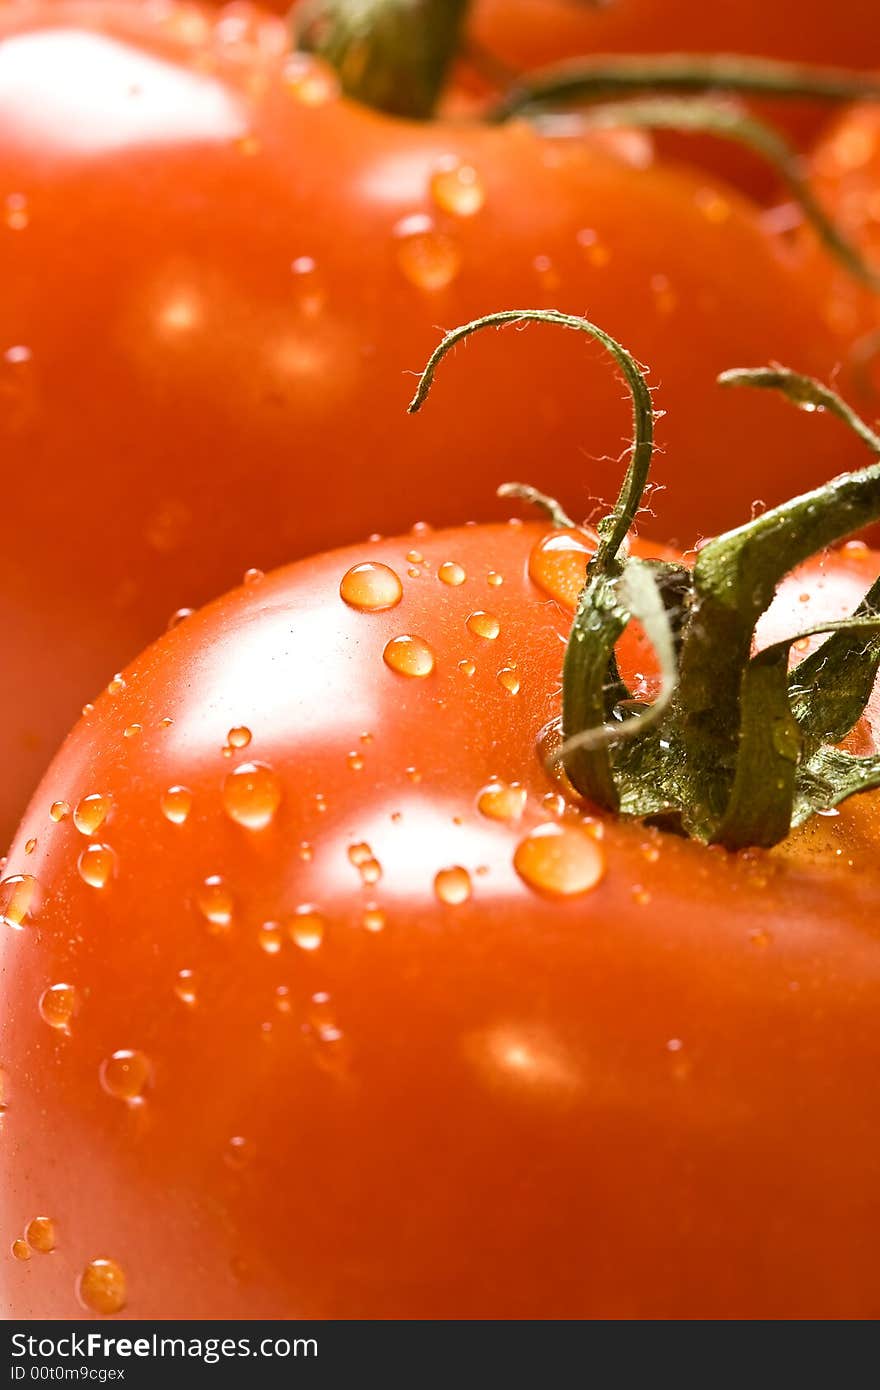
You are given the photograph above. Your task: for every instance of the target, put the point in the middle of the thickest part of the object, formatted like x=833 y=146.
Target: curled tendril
x=613 y=529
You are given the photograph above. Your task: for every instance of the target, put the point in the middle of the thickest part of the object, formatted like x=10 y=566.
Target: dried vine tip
x=736 y=749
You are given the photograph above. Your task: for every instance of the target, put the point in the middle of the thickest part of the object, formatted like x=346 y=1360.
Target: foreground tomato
x=210 y=271
x=323 y=1004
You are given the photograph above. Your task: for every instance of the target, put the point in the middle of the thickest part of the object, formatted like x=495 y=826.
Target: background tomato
x=295 y=1027
x=526 y=34
x=218 y=280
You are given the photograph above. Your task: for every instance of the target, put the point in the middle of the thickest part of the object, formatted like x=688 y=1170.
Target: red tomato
x=325 y=1003
x=212 y=268
x=526 y=34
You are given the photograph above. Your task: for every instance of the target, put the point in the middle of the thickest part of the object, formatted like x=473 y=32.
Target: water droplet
x=239 y=737
x=355 y=761
x=451 y=573
x=59 y=810
x=409 y=656
x=58 y=1004
x=91 y=813
x=21 y=1250
x=306 y=851
x=371 y=587
x=179 y=616
x=252 y=576
x=467 y=668
x=457 y=188
x=16 y=211
x=185 y=987
x=215 y=901
x=714 y=208
x=484 y=625
x=856 y=550
x=558 y=565
x=495 y=579
x=509 y=680
x=370 y=871
x=283 y=1002
x=560 y=860
x=269 y=938
x=504 y=801
x=310 y=80
x=30 y=845
x=125 y=1074
x=429 y=259
x=373 y=918
x=453 y=886
x=88 y=709
x=40 y=1234
x=252 y=795
x=176 y=804
x=306 y=927
x=415 y=557
x=116 y=685
x=132 y=730
x=102 y=1287
x=240 y=1152
x=96 y=865
x=360 y=853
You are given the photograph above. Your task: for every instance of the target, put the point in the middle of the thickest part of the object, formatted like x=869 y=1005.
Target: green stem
x=602 y=78
x=393 y=55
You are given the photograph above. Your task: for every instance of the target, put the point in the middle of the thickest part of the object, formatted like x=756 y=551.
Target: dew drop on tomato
x=558 y=565
x=467 y=668
x=239 y=1152
x=457 y=188
x=58 y=1004
x=453 y=886
x=509 y=680
x=373 y=919
x=306 y=927
x=21 y=1250
x=239 y=737
x=96 y=865
x=102 y=1287
x=560 y=860
x=484 y=625
x=252 y=795
x=310 y=80
x=185 y=987
x=91 y=812
x=451 y=573
x=429 y=259
x=125 y=1074
x=269 y=938
x=17 y=898
x=504 y=801
x=371 y=587
x=40 y=1234
x=59 y=811
x=215 y=901
x=409 y=656
x=176 y=804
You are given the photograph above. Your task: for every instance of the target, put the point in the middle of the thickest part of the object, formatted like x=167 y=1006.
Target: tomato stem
x=735 y=749
x=393 y=55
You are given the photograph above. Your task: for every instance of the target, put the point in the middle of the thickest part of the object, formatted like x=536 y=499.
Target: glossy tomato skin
x=217 y=288
x=653 y=1099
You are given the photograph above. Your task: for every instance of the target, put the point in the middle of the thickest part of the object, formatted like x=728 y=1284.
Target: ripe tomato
x=212 y=268
x=325 y=1003
x=526 y=34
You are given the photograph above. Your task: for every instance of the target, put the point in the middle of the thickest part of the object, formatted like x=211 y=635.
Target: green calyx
x=393 y=55
x=736 y=748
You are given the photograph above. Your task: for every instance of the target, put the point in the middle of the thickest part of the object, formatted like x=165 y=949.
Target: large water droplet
x=91 y=812
x=457 y=188
x=484 y=625
x=558 y=565
x=560 y=860
x=102 y=1286
x=252 y=795
x=504 y=801
x=176 y=804
x=409 y=656
x=58 y=1004
x=125 y=1074
x=40 y=1234
x=453 y=886
x=96 y=865
x=371 y=587
x=429 y=259
x=451 y=573
x=17 y=898
x=306 y=927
